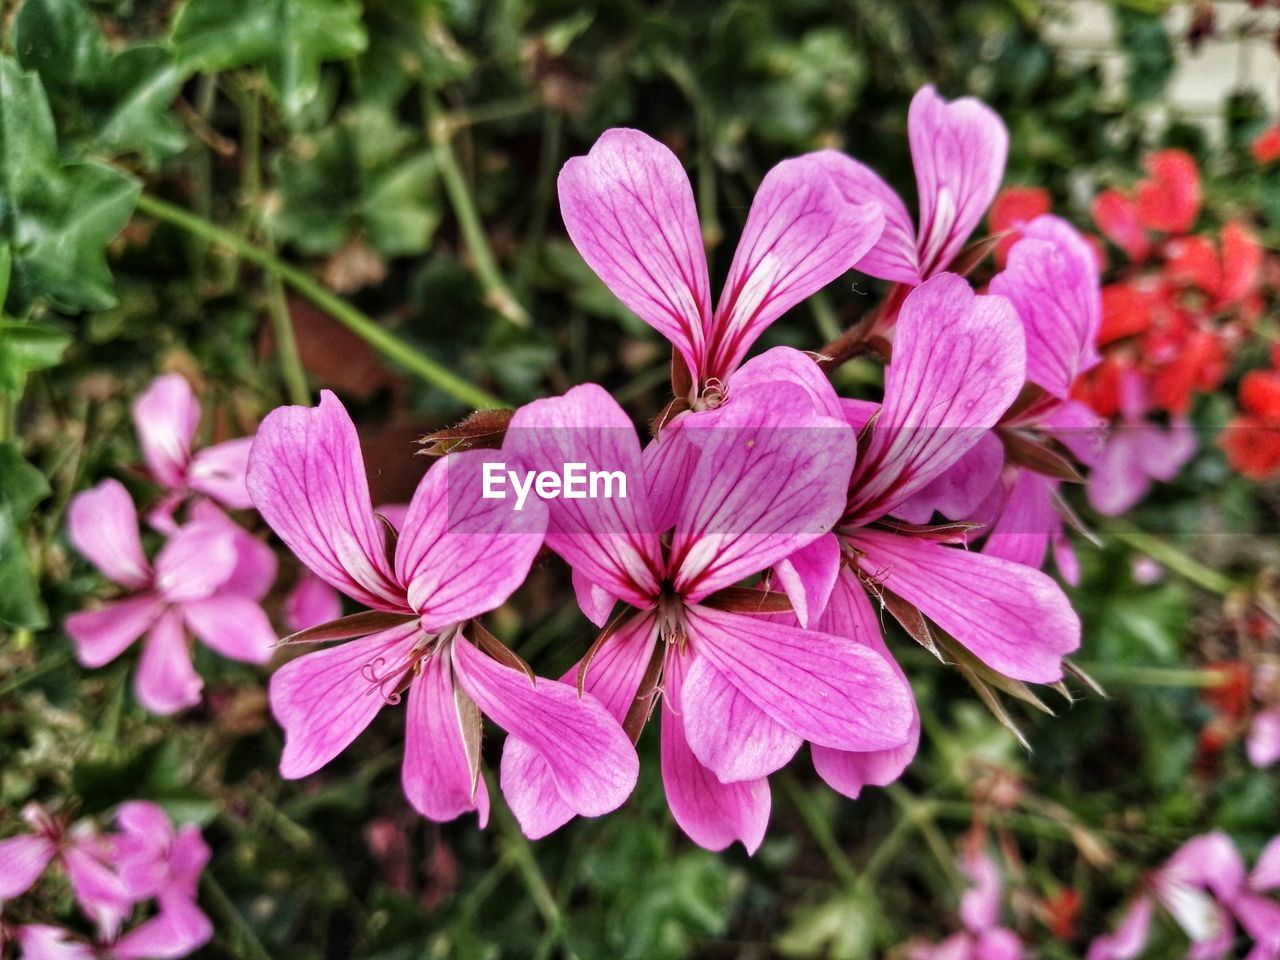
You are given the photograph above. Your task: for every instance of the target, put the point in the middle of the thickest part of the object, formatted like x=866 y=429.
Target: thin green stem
x=1175 y=560
x=354 y=320
x=818 y=826
x=824 y=316
x=1154 y=676
x=517 y=847
x=295 y=377
x=242 y=940
x=496 y=292
x=46 y=665
x=921 y=814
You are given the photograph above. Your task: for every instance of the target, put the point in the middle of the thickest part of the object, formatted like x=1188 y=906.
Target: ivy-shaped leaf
x=290 y=39
x=110 y=103
x=55 y=218
x=22 y=486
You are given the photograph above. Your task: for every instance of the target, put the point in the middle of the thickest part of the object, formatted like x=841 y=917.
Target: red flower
x=1117 y=217
x=1169 y=199
x=1011 y=207
x=1266 y=146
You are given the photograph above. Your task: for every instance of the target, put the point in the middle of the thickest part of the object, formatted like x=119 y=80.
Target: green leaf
x=25 y=347
x=359 y=173
x=112 y=103
x=56 y=218
x=22 y=486
x=290 y=39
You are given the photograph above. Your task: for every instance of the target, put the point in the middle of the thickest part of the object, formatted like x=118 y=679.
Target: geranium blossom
x=740 y=692
x=982 y=937
x=959 y=360
x=629 y=210
x=207 y=579
x=458 y=556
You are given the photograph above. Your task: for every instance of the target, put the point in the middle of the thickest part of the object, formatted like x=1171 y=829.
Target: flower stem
x=496 y=292
x=354 y=320
x=1155 y=676
x=243 y=941
x=816 y=821
x=1174 y=559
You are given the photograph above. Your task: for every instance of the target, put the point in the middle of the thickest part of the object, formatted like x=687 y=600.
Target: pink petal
x=255 y=568
x=1266 y=872
x=712 y=813
x=595 y=602
x=141 y=850
x=310 y=603
x=1260 y=916
x=727 y=732
x=188 y=856
x=102 y=525
x=22 y=860
x=1052 y=281
x=809 y=575
x=828 y=689
x=893 y=257
x=1119 y=480
x=591 y=760
x=459 y=554
x=196 y=561
x=166 y=681
x=959 y=150
x=788 y=365
x=756 y=454
x=669 y=462
x=849 y=614
x=1028 y=520
x=42 y=942
x=1209 y=861
x=1165 y=452
x=613 y=678
x=219 y=472
x=436 y=774
x=1081 y=430
x=1130 y=937
x=980 y=904
x=324 y=700
x=307 y=479
x=959 y=491
x=235 y=627
x=165 y=416
x=1014 y=619
x=611 y=541
x=177 y=930
x=959 y=360
x=97 y=889
x=102 y=635
x=629 y=210
x=800 y=235
x=998 y=944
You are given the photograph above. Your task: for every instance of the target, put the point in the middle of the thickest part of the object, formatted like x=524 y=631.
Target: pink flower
x=958 y=362
x=459 y=555
x=80 y=851
x=166 y=416
x=727 y=495
x=959 y=149
x=629 y=210
x=208 y=579
x=310 y=603
x=1138 y=452
x=982 y=937
x=1204 y=888
x=1262 y=745
x=160 y=938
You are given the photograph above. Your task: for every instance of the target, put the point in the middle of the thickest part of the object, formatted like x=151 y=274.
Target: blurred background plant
x=271 y=198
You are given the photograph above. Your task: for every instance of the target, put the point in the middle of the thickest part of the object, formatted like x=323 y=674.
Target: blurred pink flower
x=460 y=555
x=959 y=148
x=629 y=210
x=165 y=417
x=741 y=487
x=310 y=603
x=82 y=853
x=1262 y=743
x=982 y=937
x=208 y=579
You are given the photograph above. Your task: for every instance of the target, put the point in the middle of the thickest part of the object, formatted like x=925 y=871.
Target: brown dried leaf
x=472 y=727
x=1072 y=519
x=345 y=628
x=910 y=618
x=646 y=695
x=673 y=409
x=1084 y=678
x=610 y=628
x=992 y=701
x=1038 y=455
x=481 y=430
x=973 y=254
x=390 y=536
x=495 y=648
x=749 y=601
x=967 y=661
x=956 y=532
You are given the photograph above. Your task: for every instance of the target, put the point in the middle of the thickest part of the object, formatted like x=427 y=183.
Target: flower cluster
x=736 y=572
x=982 y=936
x=136 y=884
